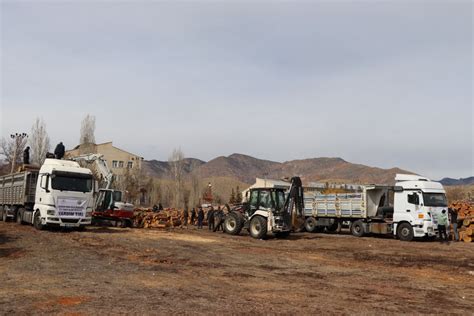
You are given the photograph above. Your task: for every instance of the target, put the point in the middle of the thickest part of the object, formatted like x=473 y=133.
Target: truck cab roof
x=50 y=165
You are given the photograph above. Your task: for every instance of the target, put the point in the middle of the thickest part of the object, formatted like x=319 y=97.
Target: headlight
x=50 y=212
x=88 y=214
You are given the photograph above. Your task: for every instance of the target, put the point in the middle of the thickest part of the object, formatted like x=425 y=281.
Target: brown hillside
x=245 y=169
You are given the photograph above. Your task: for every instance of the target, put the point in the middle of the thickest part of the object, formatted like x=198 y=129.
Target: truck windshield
x=435 y=199
x=67 y=181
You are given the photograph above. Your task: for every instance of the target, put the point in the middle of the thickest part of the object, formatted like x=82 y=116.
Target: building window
x=120 y=164
x=130 y=165
x=114 y=164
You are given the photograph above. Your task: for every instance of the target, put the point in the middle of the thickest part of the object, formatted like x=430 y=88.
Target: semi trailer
x=60 y=193
x=407 y=210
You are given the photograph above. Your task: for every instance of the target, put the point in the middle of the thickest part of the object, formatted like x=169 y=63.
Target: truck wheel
x=1 y=213
x=233 y=223
x=258 y=227
x=405 y=232
x=358 y=229
x=37 y=221
x=310 y=224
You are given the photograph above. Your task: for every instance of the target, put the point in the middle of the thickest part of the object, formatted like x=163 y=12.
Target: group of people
x=215 y=218
x=443 y=224
x=58 y=153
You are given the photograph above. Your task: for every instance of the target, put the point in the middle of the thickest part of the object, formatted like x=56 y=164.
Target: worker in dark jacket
x=26 y=156
x=454 y=221
x=185 y=218
x=59 y=151
x=220 y=219
x=193 y=216
x=210 y=219
x=200 y=217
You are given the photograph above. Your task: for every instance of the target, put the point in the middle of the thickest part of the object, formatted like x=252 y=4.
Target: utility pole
x=18 y=138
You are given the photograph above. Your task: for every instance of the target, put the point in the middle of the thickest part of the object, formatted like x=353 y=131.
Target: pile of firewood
x=146 y=218
x=466 y=216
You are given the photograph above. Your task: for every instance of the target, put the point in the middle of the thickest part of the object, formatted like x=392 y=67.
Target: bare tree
x=13 y=148
x=87 y=139
x=39 y=142
x=177 y=169
x=196 y=190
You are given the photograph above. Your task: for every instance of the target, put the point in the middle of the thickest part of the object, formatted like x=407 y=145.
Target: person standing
x=193 y=216
x=59 y=151
x=210 y=219
x=185 y=218
x=454 y=221
x=26 y=156
x=442 y=223
x=220 y=220
x=200 y=217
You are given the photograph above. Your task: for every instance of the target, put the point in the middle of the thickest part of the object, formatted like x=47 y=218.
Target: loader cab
x=268 y=199
x=106 y=200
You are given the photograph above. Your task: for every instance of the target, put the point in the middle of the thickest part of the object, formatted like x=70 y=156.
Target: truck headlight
x=50 y=212
x=88 y=214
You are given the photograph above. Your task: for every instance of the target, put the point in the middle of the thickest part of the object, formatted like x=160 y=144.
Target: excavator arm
x=294 y=204
x=101 y=165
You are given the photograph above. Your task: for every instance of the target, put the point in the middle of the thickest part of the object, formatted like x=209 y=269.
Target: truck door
x=412 y=205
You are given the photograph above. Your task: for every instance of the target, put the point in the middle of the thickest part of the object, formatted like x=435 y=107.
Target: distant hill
x=451 y=181
x=245 y=169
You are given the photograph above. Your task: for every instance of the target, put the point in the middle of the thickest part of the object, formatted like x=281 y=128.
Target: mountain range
x=451 y=181
x=246 y=168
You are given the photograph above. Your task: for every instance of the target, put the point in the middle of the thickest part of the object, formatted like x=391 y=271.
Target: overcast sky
x=379 y=83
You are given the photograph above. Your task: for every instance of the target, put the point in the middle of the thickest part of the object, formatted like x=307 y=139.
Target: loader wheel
x=258 y=227
x=37 y=221
x=358 y=229
x=310 y=224
x=233 y=223
x=405 y=232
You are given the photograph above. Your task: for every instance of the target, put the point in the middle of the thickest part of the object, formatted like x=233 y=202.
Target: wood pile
x=465 y=213
x=146 y=218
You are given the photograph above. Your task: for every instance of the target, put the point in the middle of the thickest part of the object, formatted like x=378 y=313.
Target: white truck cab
x=64 y=195
x=417 y=203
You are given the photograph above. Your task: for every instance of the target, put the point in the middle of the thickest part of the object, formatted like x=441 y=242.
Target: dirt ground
x=186 y=271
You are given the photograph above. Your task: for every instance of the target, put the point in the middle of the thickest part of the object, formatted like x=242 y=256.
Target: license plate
x=69 y=225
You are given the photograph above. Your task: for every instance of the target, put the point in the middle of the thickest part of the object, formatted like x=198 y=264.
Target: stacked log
x=465 y=213
x=168 y=218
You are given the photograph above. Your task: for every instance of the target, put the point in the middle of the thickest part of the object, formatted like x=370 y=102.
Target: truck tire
x=358 y=228
x=233 y=223
x=405 y=232
x=310 y=224
x=258 y=227
x=37 y=221
x=1 y=213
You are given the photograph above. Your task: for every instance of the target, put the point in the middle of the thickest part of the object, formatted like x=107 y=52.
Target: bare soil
x=189 y=271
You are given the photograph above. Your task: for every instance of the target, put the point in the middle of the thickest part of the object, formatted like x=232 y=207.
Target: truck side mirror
x=44 y=182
